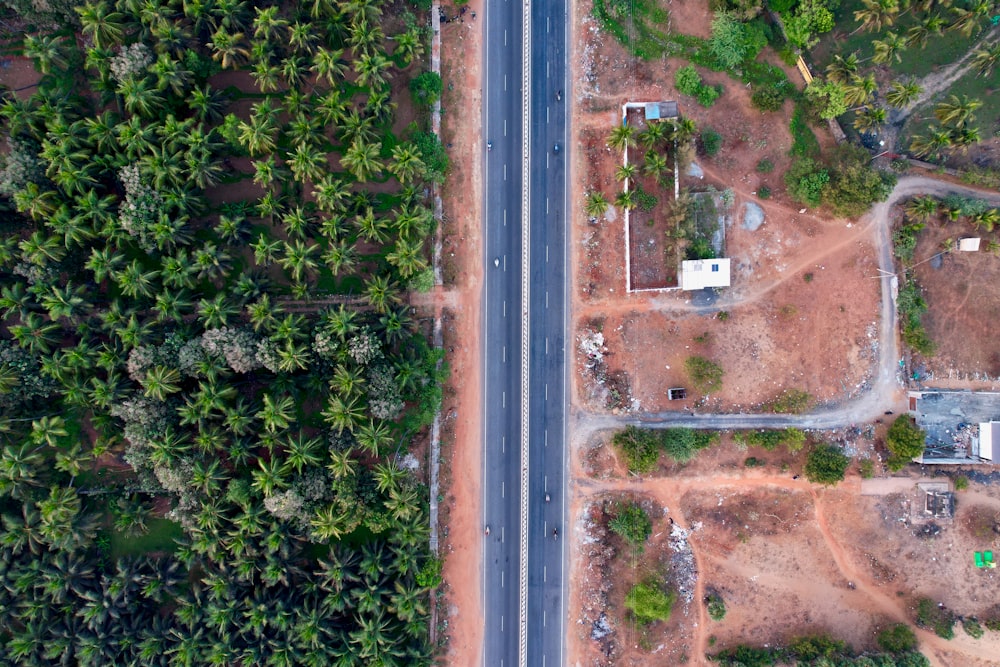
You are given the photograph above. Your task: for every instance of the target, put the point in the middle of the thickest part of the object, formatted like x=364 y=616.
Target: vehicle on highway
x=487 y=530
x=555 y=149
x=555 y=533
x=547 y=497
x=489 y=145
x=558 y=95
x=496 y=261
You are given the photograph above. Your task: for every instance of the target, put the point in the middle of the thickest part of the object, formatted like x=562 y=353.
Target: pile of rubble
x=685 y=571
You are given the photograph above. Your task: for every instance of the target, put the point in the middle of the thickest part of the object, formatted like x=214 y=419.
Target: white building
x=702 y=273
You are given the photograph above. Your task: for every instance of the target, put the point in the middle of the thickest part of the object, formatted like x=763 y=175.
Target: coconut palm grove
x=211 y=212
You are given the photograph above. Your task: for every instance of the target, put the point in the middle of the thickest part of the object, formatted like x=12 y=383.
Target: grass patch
x=639 y=25
x=162 y=536
x=804 y=141
x=987 y=119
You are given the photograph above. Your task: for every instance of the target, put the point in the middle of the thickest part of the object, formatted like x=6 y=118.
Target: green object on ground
x=988 y=558
x=979 y=559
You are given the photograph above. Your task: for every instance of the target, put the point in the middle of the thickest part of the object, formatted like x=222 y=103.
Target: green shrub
x=645 y=201
x=961 y=483
x=640 y=447
x=805 y=180
x=826 y=464
x=426 y=88
x=812 y=647
x=763 y=192
x=898 y=638
x=992 y=621
x=733 y=41
x=711 y=142
x=790 y=401
x=716 y=606
x=681 y=444
x=768 y=98
x=940 y=619
x=429 y=575
x=706 y=375
x=972 y=628
x=905 y=441
x=754 y=462
x=904 y=241
x=687 y=80
x=866 y=469
x=765 y=166
x=632 y=523
x=707 y=95
x=649 y=603
x=804 y=141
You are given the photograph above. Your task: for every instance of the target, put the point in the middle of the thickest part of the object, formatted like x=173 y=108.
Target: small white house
x=702 y=273
x=968 y=244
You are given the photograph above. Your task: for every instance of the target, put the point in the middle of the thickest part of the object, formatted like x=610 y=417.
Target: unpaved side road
x=887 y=390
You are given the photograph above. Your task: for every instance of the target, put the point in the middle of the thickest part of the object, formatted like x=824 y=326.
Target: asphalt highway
x=503 y=123
x=503 y=186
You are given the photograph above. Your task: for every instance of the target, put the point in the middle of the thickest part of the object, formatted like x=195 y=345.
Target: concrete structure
x=968 y=244
x=701 y=273
x=961 y=426
x=989 y=432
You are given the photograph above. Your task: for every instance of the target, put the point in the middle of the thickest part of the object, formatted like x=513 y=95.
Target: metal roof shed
x=986 y=433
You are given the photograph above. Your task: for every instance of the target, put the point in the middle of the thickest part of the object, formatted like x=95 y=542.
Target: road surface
x=502 y=181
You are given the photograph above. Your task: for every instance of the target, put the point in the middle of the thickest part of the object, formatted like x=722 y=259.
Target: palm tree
x=140 y=97
x=902 y=94
x=920 y=33
x=340 y=257
x=160 y=382
x=986 y=59
x=406 y=162
x=302 y=452
x=298 y=259
x=216 y=312
x=622 y=137
x=308 y=162
x=362 y=159
x=957 y=112
x=626 y=200
x=964 y=137
x=407 y=257
x=869 y=119
x=921 y=209
x=372 y=70
x=409 y=46
x=46 y=51
x=596 y=204
x=270 y=477
x=968 y=20
x=381 y=293
x=877 y=14
x=860 y=91
x=625 y=172
x=268 y=25
x=328 y=64
x=889 y=48
x=654 y=164
x=277 y=413
x=230 y=49
x=932 y=144
x=101 y=23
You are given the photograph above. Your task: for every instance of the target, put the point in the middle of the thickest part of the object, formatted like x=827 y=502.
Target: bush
x=631 y=523
x=898 y=638
x=754 y=462
x=433 y=155
x=972 y=628
x=711 y=142
x=961 y=483
x=706 y=375
x=765 y=166
x=826 y=464
x=707 y=95
x=687 y=80
x=769 y=440
x=763 y=192
x=426 y=88
x=640 y=448
x=805 y=180
x=790 y=401
x=804 y=141
x=905 y=441
x=866 y=469
x=645 y=201
x=681 y=444
x=716 y=606
x=649 y=603
x=733 y=41
x=768 y=98
x=940 y=619
x=812 y=647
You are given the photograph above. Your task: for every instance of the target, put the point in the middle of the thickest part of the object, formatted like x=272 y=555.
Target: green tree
x=622 y=137
x=826 y=464
x=875 y=15
x=649 y=602
x=986 y=59
x=596 y=205
x=733 y=42
x=897 y=638
x=905 y=441
x=631 y=523
x=902 y=93
x=426 y=88
x=890 y=48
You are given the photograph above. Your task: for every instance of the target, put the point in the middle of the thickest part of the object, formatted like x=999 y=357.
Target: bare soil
x=787 y=557
x=960 y=310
